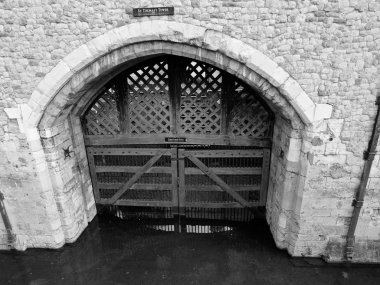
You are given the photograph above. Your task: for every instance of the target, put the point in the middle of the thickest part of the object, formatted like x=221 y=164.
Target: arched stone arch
x=143 y=38
x=52 y=116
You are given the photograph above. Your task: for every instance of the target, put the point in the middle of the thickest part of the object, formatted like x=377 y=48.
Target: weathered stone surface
x=318 y=62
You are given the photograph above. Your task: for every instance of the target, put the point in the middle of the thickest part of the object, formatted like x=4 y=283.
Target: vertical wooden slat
x=175 y=74
x=228 y=85
x=94 y=178
x=265 y=177
x=181 y=182
x=174 y=164
x=121 y=86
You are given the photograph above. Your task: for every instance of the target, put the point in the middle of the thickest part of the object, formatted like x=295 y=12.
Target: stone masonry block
x=41 y=95
x=58 y=238
x=79 y=58
x=291 y=89
x=322 y=111
x=25 y=111
x=193 y=33
x=266 y=67
x=32 y=134
x=54 y=80
x=301 y=102
x=136 y=32
x=13 y=113
x=294 y=150
x=213 y=40
x=101 y=45
x=304 y=102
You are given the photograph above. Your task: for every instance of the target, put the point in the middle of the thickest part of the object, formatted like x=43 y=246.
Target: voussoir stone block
x=55 y=78
x=213 y=40
x=101 y=45
x=79 y=58
x=297 y=97
x=193 y=34
x=291 y=89
x=267 y=68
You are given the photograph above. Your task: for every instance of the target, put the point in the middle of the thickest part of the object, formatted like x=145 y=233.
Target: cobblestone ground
x=118 y=252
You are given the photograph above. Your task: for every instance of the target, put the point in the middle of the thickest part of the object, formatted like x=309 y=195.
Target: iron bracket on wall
x=369 y=155
x=357 y=204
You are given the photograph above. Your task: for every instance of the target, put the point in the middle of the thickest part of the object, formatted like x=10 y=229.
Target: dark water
x=115 y=251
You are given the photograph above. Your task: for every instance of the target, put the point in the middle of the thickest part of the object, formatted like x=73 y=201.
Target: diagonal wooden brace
x=218 y=180
x=135 y=177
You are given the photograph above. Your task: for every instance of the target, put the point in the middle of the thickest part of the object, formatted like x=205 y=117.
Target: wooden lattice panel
x=200 y=110
x=102 y=118
x=149 y=102
x=248 y=116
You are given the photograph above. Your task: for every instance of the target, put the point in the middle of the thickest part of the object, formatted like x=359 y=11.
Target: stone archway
x=51 y=118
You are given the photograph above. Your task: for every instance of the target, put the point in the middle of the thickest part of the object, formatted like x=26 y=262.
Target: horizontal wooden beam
x=132 y=169
x=216 y=188
x=221 y=205
x=127 y=151
x=227 y=153
x=125 y=139
x=140 y=187
x=226 y=170
x=168 y=187
x=137 y=203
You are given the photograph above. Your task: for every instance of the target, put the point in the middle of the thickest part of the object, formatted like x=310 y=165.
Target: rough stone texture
x=329 y=47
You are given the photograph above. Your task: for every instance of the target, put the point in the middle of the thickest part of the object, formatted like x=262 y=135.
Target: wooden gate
x=179 y=133
x=179 y=178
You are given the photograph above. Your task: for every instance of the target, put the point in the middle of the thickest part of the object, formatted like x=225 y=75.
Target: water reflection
x=223 y=214
x=192 y=229
x=113 y=250
x=162 y=219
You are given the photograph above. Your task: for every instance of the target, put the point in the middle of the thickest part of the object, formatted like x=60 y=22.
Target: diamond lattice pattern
x=200 y=111
x=102 y=118
x=248 y=116
x=149 y=103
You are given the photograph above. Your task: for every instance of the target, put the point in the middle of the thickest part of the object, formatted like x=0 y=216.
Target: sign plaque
x=175 y=140
x=154 y=11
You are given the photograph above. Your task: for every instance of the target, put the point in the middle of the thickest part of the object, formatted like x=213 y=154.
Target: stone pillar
x=66 y=178
x=285 y=184
x=42 y=227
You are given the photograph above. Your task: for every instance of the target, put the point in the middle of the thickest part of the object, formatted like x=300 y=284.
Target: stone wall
x=330 y=47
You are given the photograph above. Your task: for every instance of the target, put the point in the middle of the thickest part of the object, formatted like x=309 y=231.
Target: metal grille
x=102 y=118
x=248 y=117
x=200 y=111
x=149 y=102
